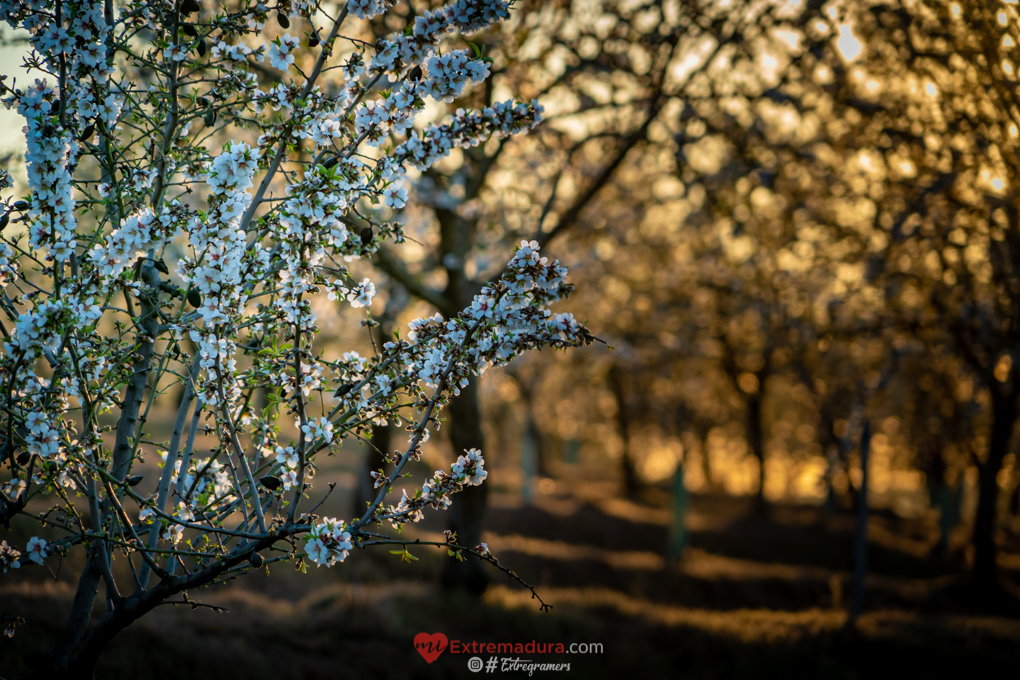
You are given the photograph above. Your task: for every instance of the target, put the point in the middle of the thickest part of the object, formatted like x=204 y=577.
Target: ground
x=752 y=597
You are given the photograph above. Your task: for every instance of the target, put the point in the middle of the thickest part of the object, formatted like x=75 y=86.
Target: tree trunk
x=123 y=450
x=830 y=445
x=830 y=503
x=861 y=537
x=81 y=612
x=985 y=571
x=527 y=390
x=942 y=496
x=678 y=537
x=467 y=513
x=756 y=442
x=949 y=514
x=706 y=463
x=541 y=451
x=631 y=481
x=529 y=462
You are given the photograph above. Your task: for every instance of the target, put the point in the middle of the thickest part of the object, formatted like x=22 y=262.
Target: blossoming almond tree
x=148 y=254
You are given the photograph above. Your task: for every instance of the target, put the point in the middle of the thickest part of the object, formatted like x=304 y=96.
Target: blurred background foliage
x=797 y=226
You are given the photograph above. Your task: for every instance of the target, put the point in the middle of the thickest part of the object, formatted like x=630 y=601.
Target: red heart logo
x=430 y=646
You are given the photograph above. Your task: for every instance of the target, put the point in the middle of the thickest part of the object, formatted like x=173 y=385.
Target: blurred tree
x=825 y=182
x=920 y=149
x=816 y=183
x=941 y=418
x=904 y=150
x=874 y=156
x=602 y=73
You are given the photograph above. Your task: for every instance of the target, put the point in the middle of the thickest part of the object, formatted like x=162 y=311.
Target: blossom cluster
x=8 y=266
x=217 y=270
x=237 y=54
x=328 y=542
x=468 y=470
x=408 y=50
x=135 y=236
x=358 y=294
x=450 y=73
x=174 y=532
x=393 y=113
x=78 y=51
x=468 y=129
x=503 y=320
x=205 y=483
x=367 y=9
x=446 y=75
x=43 y=439
x=10 y=557
x=288 y=460
x=36 y=551
x=50 y=153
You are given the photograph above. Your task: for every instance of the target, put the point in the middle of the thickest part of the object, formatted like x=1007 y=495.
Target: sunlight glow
x=849 y=46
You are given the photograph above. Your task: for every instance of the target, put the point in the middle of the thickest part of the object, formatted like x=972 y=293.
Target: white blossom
x=328 y=542
x=10 y=557
x=37 y=549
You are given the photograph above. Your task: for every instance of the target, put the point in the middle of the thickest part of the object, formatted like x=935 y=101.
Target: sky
x=11 y=138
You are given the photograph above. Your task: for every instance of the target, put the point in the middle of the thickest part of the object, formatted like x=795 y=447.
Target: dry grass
x=752 y=598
